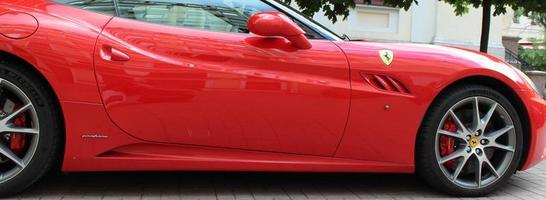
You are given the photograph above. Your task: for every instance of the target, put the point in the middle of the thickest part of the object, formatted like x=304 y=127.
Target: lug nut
x=468 y=137
x=468 y=149
x=479 y=151
x=478 y=133
x=484 y=142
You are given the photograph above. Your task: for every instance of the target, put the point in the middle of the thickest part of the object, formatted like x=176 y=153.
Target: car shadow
x=224 y=185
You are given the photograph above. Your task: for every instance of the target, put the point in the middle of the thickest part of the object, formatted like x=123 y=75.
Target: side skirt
x=94 y=143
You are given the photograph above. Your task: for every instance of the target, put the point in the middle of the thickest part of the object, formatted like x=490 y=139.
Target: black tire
x=427 y=166
x=48 y=150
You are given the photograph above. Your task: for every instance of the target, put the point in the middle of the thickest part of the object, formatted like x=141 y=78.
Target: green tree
x=536 y=56
x=336 y=8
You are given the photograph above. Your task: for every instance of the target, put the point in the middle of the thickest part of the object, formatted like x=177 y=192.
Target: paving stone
x=263 y=186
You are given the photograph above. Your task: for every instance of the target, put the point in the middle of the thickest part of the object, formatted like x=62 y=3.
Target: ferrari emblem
x=474 y=142
x=386 y=56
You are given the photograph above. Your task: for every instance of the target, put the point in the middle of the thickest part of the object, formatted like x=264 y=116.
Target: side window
x=102 y=6
x=213 y=15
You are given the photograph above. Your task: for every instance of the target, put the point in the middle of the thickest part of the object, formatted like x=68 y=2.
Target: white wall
x=424 y=15
x=373 y=23
x=525 y=29
x=466 y=30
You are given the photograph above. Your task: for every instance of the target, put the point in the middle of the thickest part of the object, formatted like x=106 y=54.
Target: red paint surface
x=223 y=91
x=172 y=98
x=277 y=24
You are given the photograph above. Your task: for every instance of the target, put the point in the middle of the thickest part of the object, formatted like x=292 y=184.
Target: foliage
x=538 y=17
x=335 y=8
x=518 y=13
x=331 y=8
x=536 y=57
x=500 y=6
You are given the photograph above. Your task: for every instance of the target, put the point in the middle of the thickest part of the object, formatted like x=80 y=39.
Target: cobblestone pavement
x=200 y=185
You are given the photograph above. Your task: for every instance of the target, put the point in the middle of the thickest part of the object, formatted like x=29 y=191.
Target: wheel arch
x=29 y=67
x=508 y=92
x=8 y=57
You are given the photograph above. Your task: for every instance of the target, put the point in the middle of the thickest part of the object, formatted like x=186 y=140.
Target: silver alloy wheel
x=483 y=144
x=16 y=163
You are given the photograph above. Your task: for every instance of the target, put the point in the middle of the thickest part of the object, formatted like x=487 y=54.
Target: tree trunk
x=486 y=25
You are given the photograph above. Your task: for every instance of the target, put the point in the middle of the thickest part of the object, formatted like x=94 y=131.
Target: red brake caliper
x=17 y=141
x=447 y=144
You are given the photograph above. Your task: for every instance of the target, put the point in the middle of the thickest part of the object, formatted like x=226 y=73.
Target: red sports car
x=249 y=85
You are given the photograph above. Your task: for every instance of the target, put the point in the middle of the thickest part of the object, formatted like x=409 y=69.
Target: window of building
x=371 y=2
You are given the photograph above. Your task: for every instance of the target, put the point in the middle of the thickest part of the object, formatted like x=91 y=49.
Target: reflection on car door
x=191 y=86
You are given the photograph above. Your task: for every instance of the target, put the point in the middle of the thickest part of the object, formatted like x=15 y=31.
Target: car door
x=187 y=72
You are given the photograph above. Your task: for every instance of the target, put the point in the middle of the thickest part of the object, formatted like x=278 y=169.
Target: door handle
x=112 y=54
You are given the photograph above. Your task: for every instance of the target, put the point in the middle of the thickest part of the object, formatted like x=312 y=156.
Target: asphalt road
x=200 y=185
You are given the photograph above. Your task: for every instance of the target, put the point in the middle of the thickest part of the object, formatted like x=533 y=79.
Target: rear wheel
x=470 y=142
x=30 y=130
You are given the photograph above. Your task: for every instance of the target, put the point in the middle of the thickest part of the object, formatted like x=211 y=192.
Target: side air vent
x=385 y=83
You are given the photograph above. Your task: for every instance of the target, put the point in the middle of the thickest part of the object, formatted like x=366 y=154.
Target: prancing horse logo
x=386 y=56
x=473 y=142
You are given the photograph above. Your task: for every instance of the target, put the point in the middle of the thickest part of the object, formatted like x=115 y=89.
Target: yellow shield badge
x=386 y=56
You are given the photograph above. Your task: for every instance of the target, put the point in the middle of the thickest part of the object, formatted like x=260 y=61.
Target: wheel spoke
x=501 y=146
x=20 y=130
x=487 y=117
x=476 y=114
x=452 y=134
x=454 y=155
x=7 y=127
x=5 y=151
x=491 y=167
x=460 y=167
x=458 y=121
x=6 y=119
x=479 y=172
x=496 y=134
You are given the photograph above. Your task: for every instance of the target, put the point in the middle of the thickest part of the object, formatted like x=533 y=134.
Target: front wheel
x=470 y=142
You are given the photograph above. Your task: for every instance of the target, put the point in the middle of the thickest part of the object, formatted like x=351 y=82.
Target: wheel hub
x=474 y=142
